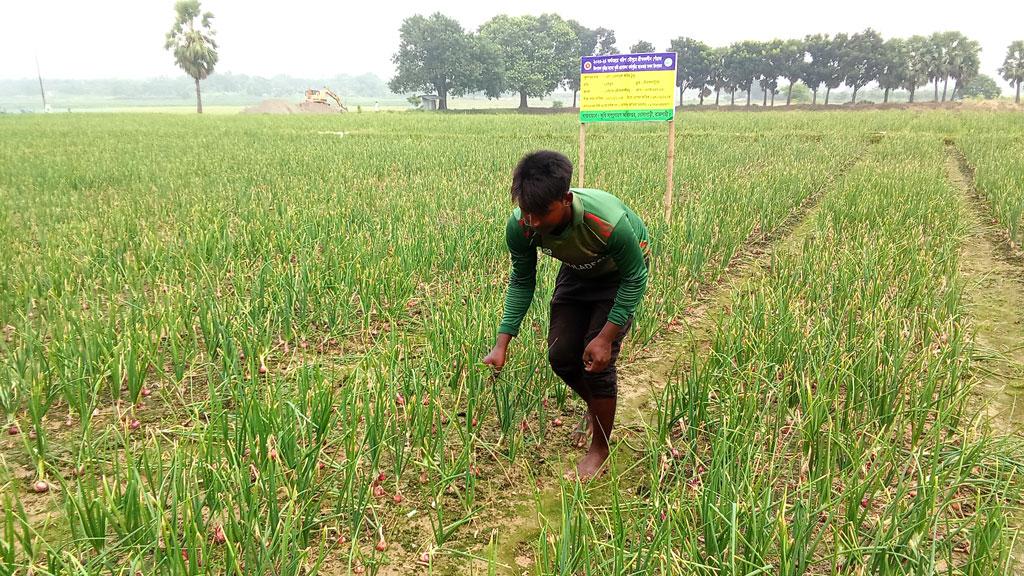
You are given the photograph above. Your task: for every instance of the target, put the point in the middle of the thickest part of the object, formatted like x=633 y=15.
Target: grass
x=251 y=344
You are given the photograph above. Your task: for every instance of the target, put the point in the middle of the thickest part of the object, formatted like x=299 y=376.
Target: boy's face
x=558 y=214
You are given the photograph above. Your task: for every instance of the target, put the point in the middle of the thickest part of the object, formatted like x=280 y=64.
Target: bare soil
x=994 y=295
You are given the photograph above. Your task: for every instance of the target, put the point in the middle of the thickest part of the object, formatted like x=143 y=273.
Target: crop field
x=997 y=161
x=251 y=345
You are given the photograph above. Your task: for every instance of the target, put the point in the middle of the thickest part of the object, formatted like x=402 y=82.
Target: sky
x=302 y=38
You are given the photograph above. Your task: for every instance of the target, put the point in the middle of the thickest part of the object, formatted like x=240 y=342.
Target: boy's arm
x=521 y=285
x=522 y=281
x=624 y=248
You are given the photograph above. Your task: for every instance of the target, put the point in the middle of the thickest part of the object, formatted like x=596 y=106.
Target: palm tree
x=964 y=64
x=956 y=53
x=936 y=61
x=1013 y=66
x=195 y=51
x=918 y=48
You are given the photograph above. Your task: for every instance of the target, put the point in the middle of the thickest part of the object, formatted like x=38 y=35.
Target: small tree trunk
x=814 y=97
x=718 y=92
x=1016 y=98
x=522 y=99
x=854 y=101
x=442 y=99
x=199 y=99
x=789 y=93
x=681 y=94
x=764 y=96
x=885 y=99
x=936 y=98
x=732 y=98
x=828 y=90
x=574 y=93
x=773 y=98
x=701 y=102
x=748 y=97
x=945 y=81
x=911 y=99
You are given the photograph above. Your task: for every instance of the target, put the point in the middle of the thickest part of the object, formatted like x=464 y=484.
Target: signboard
x=628 y=87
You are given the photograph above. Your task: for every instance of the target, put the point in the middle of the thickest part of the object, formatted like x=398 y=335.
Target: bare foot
x=591 y=464
x=581 y=434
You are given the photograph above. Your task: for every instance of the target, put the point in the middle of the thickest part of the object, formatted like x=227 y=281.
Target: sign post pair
x=629 y=88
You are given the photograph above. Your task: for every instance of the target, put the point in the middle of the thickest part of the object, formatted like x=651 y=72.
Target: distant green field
x=250 y=345
x=229 y=102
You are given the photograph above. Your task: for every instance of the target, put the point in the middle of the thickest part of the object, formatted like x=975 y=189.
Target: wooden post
x=583 y=151
x=670 y=169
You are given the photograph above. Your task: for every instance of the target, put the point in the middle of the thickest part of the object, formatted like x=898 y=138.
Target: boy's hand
x=597 y=355
x=496 y=358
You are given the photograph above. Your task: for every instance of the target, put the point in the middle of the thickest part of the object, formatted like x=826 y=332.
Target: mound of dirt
x=271 y=107
x=315 y=108
x=285 y=107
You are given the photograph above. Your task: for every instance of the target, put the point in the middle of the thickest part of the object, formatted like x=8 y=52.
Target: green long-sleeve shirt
x=605 y=238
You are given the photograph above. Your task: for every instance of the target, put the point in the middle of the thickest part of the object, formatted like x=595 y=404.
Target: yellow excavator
x=325 y=96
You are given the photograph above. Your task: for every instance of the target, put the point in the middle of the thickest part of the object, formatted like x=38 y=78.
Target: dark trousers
x=579 y=310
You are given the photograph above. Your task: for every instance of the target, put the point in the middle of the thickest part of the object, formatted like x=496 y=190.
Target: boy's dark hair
x=539 y=179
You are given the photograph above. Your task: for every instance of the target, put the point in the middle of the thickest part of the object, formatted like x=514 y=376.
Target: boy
x=603 y=248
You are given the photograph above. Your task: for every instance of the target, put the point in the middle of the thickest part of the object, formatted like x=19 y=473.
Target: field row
x=997 y=165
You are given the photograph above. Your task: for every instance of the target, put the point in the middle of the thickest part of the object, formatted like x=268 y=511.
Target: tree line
x=533 y=55
x=820 y=61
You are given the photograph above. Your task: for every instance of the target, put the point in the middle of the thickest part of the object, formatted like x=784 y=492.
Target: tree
x=980 y=86
x=483 y=68
x=731 y=71
x=964 y=63
x=791 y=64
x=433 y=54
x=936 y=62
x=769 y=69
x=1012 y=69
x=596 y=42
x=945 y=49
x=536 y=51
x=716 y=76
x=863 y=60
x=693 y=65
x=815 y=69
x=742 y=67
x=835 y=64
x=954 y=56
x=919 y=56
x=893 y=66
x=641 y=46
x=191 y=40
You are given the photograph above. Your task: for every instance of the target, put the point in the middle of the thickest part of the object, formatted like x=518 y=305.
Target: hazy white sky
x=124 y=38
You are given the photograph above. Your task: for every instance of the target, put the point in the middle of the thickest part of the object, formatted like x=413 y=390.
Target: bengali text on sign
x=627 y=87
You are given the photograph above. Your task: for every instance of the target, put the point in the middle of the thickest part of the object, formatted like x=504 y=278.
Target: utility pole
x=41 y=91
